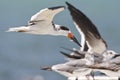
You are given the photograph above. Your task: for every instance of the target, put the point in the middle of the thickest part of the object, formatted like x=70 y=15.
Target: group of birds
x=93 y=55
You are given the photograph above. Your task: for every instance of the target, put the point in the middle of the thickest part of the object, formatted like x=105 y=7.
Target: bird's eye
x=110 y=52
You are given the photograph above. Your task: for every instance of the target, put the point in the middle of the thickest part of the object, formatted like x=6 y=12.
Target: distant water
x=22 y=55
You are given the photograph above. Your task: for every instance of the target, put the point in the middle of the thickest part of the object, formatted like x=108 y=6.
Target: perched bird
x=91 y=39
x=42 y=24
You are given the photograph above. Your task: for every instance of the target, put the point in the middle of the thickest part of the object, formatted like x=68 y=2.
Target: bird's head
x=109 y=54
x=62 y=30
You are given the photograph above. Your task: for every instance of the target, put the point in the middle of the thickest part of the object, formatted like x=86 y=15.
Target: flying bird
x=91 y=39
x=72 y=68
x=84 y=67
x=109 y=67
x=42 y=24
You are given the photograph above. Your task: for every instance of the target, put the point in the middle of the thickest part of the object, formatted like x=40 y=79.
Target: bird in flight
x=42 y=24
x=91 y=39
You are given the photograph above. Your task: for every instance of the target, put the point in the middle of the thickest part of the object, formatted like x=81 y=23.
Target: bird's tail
x=46 y=68
x=18 y=29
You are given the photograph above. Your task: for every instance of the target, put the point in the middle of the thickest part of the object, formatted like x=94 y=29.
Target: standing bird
x=42 y=24
x=91 y=39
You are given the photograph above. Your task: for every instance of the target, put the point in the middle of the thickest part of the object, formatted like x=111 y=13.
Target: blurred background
x=22 y=55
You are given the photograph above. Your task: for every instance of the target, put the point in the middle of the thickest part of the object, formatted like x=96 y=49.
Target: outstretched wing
x=46 y=14
x=87 y=30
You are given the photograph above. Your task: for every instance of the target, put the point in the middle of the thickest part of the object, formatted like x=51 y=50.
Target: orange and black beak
x=72 y=37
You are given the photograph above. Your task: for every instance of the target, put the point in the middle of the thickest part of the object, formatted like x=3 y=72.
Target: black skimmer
x=90 y=36
x=73 y=68
x=83 y=67
x=91 y=40
x=77 y=54
x=42 y=24
x=110 y=67
x=68 y=70
x=110 y=55
x=108 y=63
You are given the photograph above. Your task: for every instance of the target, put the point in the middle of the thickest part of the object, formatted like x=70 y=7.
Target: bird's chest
x=42 y=28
